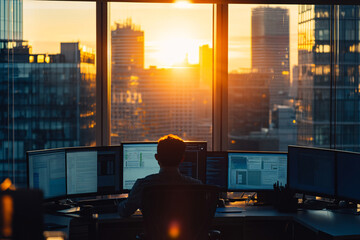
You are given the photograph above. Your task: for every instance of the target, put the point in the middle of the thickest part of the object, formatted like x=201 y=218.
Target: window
x=241 y=77
x=161 y=71
x=47 y=65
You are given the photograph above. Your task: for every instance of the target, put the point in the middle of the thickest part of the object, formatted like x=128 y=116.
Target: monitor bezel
x=307 y=192
x=45 y=151
x=258 y=190
x=338 y=196
x=95 y=148
x=221 y=154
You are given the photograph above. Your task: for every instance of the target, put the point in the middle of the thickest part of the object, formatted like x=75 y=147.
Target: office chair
x=181 y=212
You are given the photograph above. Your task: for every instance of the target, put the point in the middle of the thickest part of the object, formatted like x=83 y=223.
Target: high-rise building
x=127 y=66
x=206 y=65
x=127 y=45
x=270 y=49
x=11 y=23
x=294 y=83
x=329 y=111
x=285 y=129
x=248 y=108
x=46 y=101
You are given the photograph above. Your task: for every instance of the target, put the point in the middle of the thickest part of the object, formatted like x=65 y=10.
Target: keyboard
x=52 y=226
x=101 y=205
x=316 y=204
x=229 y=210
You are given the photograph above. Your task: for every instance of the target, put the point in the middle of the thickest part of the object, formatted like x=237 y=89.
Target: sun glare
x=182 y=4
x=176 y=50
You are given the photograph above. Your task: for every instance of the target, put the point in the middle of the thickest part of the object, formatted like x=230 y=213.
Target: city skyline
x=190 y=33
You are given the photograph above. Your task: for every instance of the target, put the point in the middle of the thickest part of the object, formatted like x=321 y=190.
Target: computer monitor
x=217 y=169
x=139 y=161
x=311 y=170
x=47 y=172
x=256 y=171
x=194 y=164
x=93 y=170
x=348 y=177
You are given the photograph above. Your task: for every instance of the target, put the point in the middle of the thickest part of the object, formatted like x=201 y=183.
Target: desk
x=253 y=223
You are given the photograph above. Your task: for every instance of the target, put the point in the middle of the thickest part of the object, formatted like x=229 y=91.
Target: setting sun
x=182 y=4
x=176 y=49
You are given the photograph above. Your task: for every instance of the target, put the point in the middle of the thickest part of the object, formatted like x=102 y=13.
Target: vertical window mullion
x=220 y=89
x=103 y=100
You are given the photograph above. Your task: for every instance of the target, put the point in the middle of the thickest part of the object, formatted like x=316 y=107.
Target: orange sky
x=170 y=32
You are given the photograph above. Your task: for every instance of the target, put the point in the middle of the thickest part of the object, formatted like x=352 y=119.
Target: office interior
x=273 y=81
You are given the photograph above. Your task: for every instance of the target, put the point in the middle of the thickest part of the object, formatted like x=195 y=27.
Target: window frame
x=220 y=58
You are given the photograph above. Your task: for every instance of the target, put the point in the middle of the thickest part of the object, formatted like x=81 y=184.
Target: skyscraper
x=248 y=108
x=329 y=107
x=11 y=25
x=127 y=39
x=270 y=49
x=127 y=66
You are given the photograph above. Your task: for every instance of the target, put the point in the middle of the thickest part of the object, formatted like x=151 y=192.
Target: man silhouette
x=170 y=153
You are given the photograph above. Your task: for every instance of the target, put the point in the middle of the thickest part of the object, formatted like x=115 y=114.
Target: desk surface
x=337 y=225
x=331 y=223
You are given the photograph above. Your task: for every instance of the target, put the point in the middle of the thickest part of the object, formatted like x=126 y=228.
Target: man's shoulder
x=148 y=178
x=164 y=179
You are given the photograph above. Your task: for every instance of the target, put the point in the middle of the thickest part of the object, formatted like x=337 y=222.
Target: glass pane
x=347 y=106
x=47 y=93
x=279 y=76
x=161 y=77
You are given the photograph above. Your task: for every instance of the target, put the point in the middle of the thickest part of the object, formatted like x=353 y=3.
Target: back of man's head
x=170 y=150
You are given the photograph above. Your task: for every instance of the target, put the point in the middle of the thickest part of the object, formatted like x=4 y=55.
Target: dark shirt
x=167 y=175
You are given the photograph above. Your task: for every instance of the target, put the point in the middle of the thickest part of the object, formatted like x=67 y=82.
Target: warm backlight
x=174 y=229
x=175 y=50
x=7 y=214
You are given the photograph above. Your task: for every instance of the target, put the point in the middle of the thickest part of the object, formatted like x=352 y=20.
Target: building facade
x=270 y=49
x=328 y=110
x=46 y=101
x=249 y=104
x=11 y=23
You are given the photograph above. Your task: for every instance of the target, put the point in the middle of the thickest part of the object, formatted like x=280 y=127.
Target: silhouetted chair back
x=182 y=212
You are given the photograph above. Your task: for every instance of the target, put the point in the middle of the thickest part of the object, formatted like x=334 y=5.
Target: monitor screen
x=109 y=170
x=348 y=177
x=46 y=171
x=93 y=170
x=138 y=162
x=311 y=170
x=194 y=164
x=253 y=171
x=216 y=169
